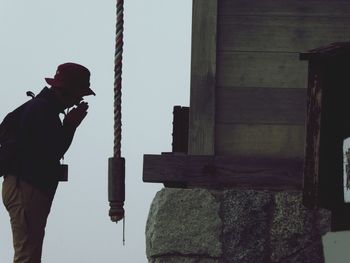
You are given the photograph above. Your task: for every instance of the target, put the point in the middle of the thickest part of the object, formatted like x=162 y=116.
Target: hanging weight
x=116 y=187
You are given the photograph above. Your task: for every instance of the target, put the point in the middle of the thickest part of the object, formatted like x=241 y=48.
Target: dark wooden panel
x=313 y=125
x=280 y=33
x=290 y=8
x=203 y=72
x=180 y=129
x=279 y=141
x=261 y=69
x=261 y=105
x=220 y=171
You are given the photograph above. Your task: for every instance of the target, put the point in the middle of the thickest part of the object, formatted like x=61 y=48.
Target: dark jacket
x=43 y=140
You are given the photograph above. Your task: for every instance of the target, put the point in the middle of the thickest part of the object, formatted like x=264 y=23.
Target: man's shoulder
x=37 y=108
x=38 y=103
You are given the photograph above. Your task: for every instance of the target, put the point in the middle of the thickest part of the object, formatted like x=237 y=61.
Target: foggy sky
x=38 y=35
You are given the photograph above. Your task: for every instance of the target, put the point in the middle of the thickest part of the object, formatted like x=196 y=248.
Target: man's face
x=73 y=96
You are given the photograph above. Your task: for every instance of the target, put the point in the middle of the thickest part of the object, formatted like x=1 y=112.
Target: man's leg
x=28 y=209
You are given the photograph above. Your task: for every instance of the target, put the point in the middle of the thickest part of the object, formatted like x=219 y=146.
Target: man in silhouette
x=42 y=140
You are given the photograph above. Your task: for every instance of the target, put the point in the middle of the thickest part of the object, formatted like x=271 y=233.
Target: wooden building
x=248 y=92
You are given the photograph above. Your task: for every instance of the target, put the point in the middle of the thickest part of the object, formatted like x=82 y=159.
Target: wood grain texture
x=285 y=8
x=275 y=141
x=203 y=73
x=220 y=171
x=280 y=33
x=261 y=69
x=313 y=126
x=261 y=106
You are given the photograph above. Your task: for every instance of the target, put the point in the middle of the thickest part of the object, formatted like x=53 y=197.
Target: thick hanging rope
x=118 y=59
x=116 y=165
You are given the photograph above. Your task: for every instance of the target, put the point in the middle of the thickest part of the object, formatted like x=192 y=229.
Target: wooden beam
x=264 y=140
x=261 y=105
x=261 y=69
x=220 y=171
x=203 y=75
x=329 y=8
x=280 y=33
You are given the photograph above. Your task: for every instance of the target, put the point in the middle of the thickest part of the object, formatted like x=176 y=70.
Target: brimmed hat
x=72 y=75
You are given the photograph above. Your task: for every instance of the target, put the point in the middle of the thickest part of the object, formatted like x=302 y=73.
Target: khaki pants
x=28 y=209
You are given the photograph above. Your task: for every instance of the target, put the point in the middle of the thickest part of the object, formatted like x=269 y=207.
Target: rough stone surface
x=184 y=222
x=324 y=218
x=310 y=254
x=294 y=229
x=231 y=226
x=182 y=259
x=246 y=216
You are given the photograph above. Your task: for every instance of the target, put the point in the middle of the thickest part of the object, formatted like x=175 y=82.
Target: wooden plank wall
x=201 y=139
x=260 y=81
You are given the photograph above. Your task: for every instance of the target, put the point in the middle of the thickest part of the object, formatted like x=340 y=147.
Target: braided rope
x=118 y=78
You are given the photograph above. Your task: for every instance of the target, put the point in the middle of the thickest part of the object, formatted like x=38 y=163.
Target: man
x=43 y=139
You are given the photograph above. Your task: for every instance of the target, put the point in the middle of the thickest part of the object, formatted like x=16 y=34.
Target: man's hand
x=76 y=115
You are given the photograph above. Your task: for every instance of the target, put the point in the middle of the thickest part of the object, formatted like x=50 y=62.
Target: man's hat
x=72 y=75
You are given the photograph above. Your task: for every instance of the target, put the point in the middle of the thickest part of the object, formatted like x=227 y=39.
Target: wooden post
x=180 y=129
x=203 y=75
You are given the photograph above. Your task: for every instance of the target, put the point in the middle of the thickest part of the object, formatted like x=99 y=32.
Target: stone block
x=184 y=222
x=234 y=226
x=296 y=231
x=246 y=215
x=182 y=259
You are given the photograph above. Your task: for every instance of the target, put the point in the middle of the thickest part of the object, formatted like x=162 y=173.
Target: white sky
x=36 y=36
